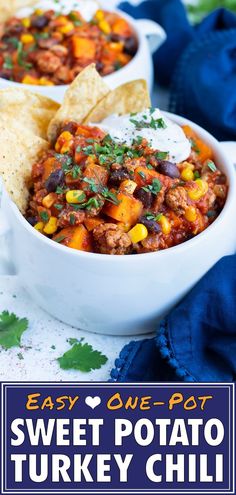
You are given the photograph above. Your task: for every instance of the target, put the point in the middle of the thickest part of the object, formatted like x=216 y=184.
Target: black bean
x=32 y=220
x=5 y=76
x=169 y=168
x=40 y=21
x=144 y=196
x=151 y=225
x=131 y=46
x=117 y=176
x=70 y=127
x=115 y=37
x=54 y=180
x=99 y=66
x=14 y=29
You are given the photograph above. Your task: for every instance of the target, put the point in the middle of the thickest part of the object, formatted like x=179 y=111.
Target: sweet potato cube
x=127 y=211
x=91 y=223
x=98 y=174
x=204 y=152
x=50 y=165
x=83 y=48
x=75 y=237
x=143 y=176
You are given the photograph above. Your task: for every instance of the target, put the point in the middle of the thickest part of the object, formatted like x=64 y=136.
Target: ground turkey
x=48 y=62
x=177 y=199
x=110 y=239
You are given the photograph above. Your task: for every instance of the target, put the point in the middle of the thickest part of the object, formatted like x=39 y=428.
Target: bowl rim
x=64 y=87
x=180 y=248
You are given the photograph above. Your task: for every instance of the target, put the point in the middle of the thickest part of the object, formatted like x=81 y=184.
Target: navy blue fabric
x=199 y=63
x=196 y=342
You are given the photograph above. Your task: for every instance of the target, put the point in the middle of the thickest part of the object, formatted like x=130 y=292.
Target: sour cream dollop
x=161 y=133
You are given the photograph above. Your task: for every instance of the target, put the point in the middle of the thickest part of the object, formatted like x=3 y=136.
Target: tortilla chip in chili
x=130 y=97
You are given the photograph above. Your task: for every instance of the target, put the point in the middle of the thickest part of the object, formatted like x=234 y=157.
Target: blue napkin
x=196 y=342
x=199 y=62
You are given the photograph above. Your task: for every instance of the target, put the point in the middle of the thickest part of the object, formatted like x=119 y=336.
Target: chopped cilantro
x=72 y=219
x=76 y=171
x=161 y=155
x=211 y=166
x=92 y=203
x=117 y=65
x=153 y=124
x=137 y=141
x=72 y=341
x=58 y=206
x=14 y=41
x=92 y=184
x=151 y=216
x=82 y=357
x=142 y=174
x=60 y=238
x=194 y=146
x=44 y=216
x=11 y=329
x=110 y=196
x=88 y=150
x=154 y=187
x=60 y=190
x=196 y=175
x=8 y=64
x=211 y=213
x=40 y=36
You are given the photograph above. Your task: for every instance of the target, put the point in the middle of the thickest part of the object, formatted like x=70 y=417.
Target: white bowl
x=150 y=36
x=119 y=295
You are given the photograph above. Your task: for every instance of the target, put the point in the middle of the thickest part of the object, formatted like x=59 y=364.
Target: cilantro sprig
x=154 y=187
x=11 y=329
x=82 y=357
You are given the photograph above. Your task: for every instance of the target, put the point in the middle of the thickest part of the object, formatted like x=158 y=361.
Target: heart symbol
x=92 y=401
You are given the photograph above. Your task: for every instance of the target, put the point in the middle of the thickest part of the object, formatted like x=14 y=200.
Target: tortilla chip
x=19 y=149
x=32 y=111
x=8 y=8
x=84 y=93
x=20 y=4
x=130 y=97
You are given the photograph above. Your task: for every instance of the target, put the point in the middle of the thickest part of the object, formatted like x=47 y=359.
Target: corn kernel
x=43 y=81
x=67 y=28
x=51 y=226
x=187 y=174
x=39 y=226
x=203 y=185
x=48 y=200
x=104 y=26
x=30 y=80
x=138 y=233
x=75 y=196
x=165 y=225
x=116 y=46
x=38 y=12
x=26 y=22
x=99 y=15
x=191 y=214
x=200 y=191
x=64 y=142
x=27 y=38
x=128 y=186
